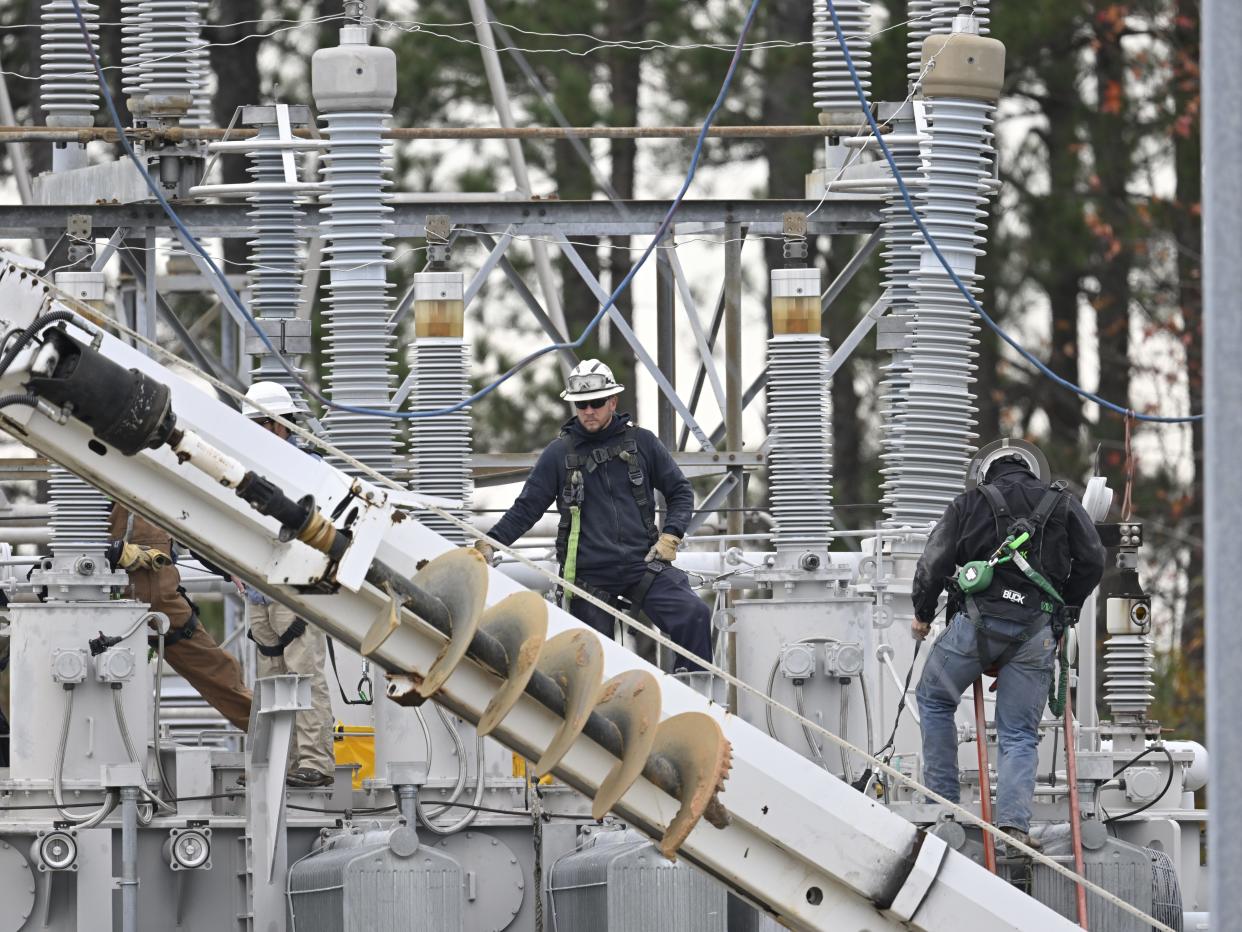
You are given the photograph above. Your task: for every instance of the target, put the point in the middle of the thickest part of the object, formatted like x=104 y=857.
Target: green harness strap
x=1037 y=578
x=571 y=552
x=1058 y=689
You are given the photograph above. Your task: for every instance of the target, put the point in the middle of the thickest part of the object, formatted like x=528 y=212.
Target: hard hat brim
x=567 y=395
x=255 y=414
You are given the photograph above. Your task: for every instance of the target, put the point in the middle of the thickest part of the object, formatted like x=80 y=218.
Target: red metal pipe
x=985 y=781
x=1075 y=814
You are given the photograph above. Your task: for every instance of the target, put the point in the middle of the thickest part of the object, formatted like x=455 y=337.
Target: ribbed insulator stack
x=930 y=434
x=935 y=17
x=79 y=516
x=80 y=512
x=799 y=410
x=901 y=257
x=439 y=364
x=920 y=14
x=276 y=257
x=200 y=109
x=901 y=264
x=354 y=86
x=133 y=29
x=1129 y=688
x=172 y=31
x=834 y=90
x=69 y=92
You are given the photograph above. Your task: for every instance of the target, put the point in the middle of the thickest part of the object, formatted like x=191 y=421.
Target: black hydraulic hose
x=1155 y=799
x=28 y=334
x=7 y=401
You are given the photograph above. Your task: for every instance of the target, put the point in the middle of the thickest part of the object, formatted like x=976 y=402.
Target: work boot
x=305 y=776
x=1023 y=837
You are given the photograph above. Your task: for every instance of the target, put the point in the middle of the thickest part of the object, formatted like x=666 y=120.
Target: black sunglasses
x=595 y=403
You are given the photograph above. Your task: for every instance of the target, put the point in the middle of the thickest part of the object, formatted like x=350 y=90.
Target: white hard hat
x=591 y=379
x=272 y=397
x=1026 y=453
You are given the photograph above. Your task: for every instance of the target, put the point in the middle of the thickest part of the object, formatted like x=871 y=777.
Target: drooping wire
x=1123 y=410
x=232 y=296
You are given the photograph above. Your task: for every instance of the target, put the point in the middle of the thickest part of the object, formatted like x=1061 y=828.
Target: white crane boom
x=774 y=827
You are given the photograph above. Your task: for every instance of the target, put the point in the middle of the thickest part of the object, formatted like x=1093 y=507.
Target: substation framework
x=348 y=225
x=132 y=231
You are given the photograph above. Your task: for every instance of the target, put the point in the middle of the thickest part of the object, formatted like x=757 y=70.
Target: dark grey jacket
x=1068 y=553
x=614 y=534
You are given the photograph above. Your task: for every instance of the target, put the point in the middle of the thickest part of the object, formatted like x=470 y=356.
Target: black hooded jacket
x=1068 y=552
x=614 y=533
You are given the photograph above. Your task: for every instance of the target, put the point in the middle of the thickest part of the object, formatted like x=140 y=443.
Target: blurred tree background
x=1094 y=253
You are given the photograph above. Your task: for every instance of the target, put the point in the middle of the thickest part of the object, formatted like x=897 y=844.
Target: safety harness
x=573 y=494
x=290 y=634
x=976 y=577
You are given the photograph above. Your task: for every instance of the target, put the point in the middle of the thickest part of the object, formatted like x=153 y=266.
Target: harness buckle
x=600 y=455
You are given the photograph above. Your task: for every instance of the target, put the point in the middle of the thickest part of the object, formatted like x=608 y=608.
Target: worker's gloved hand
x=664 y=549
x=920 y=629
x=1069 y=615
x=488 y=551
x=132 y=557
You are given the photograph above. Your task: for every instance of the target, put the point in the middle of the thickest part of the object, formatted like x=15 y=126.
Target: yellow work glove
x=488 y=551
x=134 y=557
x=664 y=549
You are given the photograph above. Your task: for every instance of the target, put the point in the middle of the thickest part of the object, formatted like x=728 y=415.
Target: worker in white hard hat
x=286 y=643
x=603 y=472
x=264 y=399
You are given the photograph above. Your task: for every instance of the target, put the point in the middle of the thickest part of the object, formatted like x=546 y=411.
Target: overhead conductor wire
x=953 y=276
x=232 y=296
x=657 y=237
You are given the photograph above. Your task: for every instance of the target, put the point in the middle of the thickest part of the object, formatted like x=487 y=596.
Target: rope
x=961 y=814
x=1127 y=502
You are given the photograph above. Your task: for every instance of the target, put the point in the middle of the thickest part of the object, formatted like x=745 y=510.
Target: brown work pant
x=305 y=655
x=214 y=672
x=211 y=670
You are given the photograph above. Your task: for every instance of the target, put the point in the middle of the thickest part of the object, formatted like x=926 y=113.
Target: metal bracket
x=439 y=249
x=919 y=880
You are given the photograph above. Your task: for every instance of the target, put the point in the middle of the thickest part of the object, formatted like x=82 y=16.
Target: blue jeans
x=1022 y=693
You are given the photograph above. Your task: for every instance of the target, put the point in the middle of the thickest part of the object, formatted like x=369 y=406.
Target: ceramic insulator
x=276 y=257
x=833 y=87
x=169 y=70
x=440 y=446
x=1128 y=669
x=359 y=336
x=799 y=404
x=200 y=112
x=79 y=515
x=931 y=428
x=69 y=92
x=133 y=29
x=933 y=17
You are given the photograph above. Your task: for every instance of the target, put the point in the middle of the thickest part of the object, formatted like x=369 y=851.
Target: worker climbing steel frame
x=786 y=835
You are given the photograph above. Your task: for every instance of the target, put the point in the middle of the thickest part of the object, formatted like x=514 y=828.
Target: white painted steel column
x=1222 y=346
